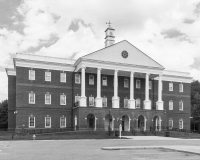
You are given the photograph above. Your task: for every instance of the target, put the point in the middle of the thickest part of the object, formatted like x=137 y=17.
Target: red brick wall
x=55 y=88
x=11 y=102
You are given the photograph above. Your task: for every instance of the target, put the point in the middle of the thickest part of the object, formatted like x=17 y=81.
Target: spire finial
x=109 y=23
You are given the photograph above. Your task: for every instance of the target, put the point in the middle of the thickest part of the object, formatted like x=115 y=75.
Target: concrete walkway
x=179 y=148
x=150 y=138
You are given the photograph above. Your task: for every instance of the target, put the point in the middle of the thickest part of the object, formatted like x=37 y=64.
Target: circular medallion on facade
x=124 y=54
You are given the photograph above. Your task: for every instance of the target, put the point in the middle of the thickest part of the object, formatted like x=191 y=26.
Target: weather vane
x=109 y=23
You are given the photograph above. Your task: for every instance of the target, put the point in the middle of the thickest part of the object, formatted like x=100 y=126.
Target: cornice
x=43 y=65
x=11 y=71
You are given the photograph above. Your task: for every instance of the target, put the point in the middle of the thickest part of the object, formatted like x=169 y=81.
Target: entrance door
x=91 y=123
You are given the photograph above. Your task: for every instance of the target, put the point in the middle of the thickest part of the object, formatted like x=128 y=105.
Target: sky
x=166 y=30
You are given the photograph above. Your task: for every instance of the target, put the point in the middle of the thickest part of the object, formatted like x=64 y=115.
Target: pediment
x=123 y=53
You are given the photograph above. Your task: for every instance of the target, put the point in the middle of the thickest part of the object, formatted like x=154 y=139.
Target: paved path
x=157 y=138
x=92 y=149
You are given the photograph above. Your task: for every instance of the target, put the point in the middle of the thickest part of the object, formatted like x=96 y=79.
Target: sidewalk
x=179 y=148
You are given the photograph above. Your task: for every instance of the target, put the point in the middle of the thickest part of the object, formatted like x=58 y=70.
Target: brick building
x=118 y=84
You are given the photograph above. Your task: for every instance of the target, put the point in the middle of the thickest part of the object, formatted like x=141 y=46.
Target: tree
x=195 y=103
x=4 y=113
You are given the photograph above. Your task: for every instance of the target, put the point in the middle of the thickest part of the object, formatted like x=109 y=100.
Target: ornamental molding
x=43 y=65
x=11 y=71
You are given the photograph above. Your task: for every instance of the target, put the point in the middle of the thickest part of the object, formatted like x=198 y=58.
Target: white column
x=98 y=99
x=159 y=103
x=147 y=87
x=83 y=97
x=116 y=84
x=132 y=100
x=115 y=98
x=145 y=124
x=147 y=102
x=95 y=123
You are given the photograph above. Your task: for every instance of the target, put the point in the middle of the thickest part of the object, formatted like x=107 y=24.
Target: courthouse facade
x=118 y=84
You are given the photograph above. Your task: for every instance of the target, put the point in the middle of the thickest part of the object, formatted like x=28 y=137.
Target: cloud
x=172 y=33
x=197 y=9
x=188 y=21
x=175 y=33
x=196 y=64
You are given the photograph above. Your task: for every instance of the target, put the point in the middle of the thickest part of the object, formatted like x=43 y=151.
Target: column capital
x=99 y=69
x=116 y=70
x=132 y=72
x=160 y=75
x=147 y=74
x=83 y=67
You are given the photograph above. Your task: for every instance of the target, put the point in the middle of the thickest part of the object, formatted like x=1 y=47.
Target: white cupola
x=110 y=38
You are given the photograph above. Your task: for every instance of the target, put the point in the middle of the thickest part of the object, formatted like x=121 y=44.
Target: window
x=170 y=86
x=181 y=105
x=170 y=105
x=63 y=77
x=125 y=103
x=31 y=122
x=47 y=76
x=62 y=99
x=137 y=83
x=137 y=103
x=47 y=98
x=77 y=78
x=104 y=101
x=91 y=101
x=62 y=122
x=31 y=98
x=150 y=84
x=180 y=87
x=31 y=75
x=77 y=100
x=47 y=122
x=180 y=124
x=91 y=80
x=104 y=81
x=170 y=124
x=125 y=83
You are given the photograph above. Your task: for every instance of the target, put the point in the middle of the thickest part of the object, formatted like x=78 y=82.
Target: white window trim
x=79 y=78
x=45 y=122
x=171 y=87
x=65 y=99
x=30 y=98
x=46 y=98
x=89 y=101
x=150 y=84
x=139 y=84
x=126 y=83
x=170 y=127
x=92 y=80
x=181 y=102
x=180 y=120
x=180 y=88
x=106 y=81
x=30 y=77
x=60 y=122
x=30 y=121
x=61 y=77
x=46 y=72
x=104 y=102
x=136 y=103
x=124 y=103
x=171 y=107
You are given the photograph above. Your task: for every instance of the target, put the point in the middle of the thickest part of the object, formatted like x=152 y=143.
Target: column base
x=115 y=102
x=131 y=103
x=159 y=105
x=83 y=101
x=147 y=104
x=98 y=102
